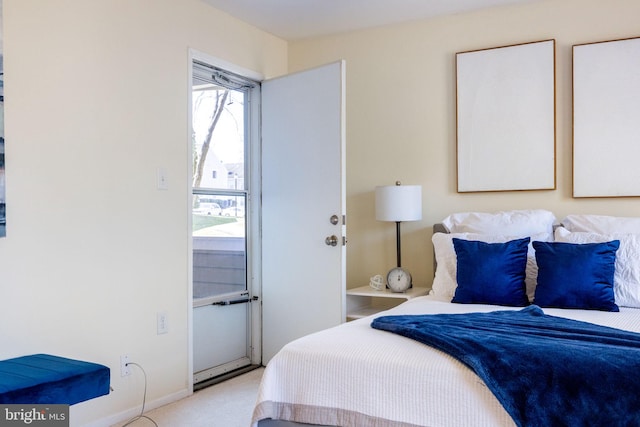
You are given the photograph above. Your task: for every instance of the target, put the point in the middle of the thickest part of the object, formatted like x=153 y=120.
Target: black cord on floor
x=144 y=399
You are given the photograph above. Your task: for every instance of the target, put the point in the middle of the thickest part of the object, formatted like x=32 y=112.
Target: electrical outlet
x=162 y=323
x=125 y=369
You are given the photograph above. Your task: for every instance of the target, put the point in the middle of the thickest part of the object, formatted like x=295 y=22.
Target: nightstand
x=365 y=301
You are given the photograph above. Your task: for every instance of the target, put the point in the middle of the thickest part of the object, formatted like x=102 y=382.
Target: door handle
x=233 y=301
x=331 y=240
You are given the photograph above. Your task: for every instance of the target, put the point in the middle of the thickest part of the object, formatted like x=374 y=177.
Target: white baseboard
x=130 y=413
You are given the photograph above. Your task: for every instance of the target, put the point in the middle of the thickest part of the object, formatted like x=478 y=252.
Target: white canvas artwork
x=606 y=129
x=505 y=101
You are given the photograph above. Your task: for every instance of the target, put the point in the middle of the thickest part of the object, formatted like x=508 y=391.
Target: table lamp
x=399 y=203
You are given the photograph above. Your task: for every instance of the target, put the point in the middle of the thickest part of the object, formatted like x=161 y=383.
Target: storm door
x=221 y=202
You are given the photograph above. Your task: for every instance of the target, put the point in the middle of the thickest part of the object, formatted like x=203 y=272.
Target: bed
x=355 y=375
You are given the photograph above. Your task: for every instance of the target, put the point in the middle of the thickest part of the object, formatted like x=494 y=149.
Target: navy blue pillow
x=491 y=273
x=576 y=275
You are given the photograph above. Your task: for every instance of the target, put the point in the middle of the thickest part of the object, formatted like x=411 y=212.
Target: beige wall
x=96 y=103
x=401 y=118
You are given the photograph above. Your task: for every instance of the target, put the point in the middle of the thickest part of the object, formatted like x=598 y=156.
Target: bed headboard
x=439 y=228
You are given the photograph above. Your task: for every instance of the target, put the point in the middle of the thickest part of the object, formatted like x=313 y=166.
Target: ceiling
x=298 y=19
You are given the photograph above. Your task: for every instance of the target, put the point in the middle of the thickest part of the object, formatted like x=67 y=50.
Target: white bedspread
x=353 y=375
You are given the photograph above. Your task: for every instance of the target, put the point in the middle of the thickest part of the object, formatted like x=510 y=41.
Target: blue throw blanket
x=544 y=370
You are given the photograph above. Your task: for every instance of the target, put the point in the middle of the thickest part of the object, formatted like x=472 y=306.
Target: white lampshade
x=399 y=203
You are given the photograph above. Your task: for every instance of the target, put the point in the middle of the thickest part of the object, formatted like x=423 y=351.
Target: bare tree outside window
x=218 y=151
x=200 y=156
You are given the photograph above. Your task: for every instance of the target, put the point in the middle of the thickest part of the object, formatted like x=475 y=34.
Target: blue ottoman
x=47 y=379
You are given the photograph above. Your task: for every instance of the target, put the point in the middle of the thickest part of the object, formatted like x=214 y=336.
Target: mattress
x=353 y=375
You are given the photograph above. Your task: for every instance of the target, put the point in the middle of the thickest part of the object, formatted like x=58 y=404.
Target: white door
x=303 y=187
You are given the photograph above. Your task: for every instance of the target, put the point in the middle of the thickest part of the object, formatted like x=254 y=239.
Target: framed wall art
x=505 y=118
x=606 y=119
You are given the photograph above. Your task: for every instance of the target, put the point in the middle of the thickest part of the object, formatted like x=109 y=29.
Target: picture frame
x=505 y=118
x=606 y=107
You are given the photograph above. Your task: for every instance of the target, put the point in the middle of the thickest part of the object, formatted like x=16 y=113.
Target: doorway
x=291 y=206
x=223 y=119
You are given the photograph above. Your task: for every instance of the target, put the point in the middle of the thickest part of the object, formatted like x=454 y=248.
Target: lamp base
x=399 y=279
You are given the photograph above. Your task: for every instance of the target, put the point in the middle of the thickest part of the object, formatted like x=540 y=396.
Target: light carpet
x=227 y=404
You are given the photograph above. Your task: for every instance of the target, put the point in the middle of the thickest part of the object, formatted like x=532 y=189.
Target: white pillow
x=445 y=283
x=602 y=224
x=626 y=279
x=517 y=223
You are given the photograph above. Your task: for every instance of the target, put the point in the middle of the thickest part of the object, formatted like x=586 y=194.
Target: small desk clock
x=398 y=279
